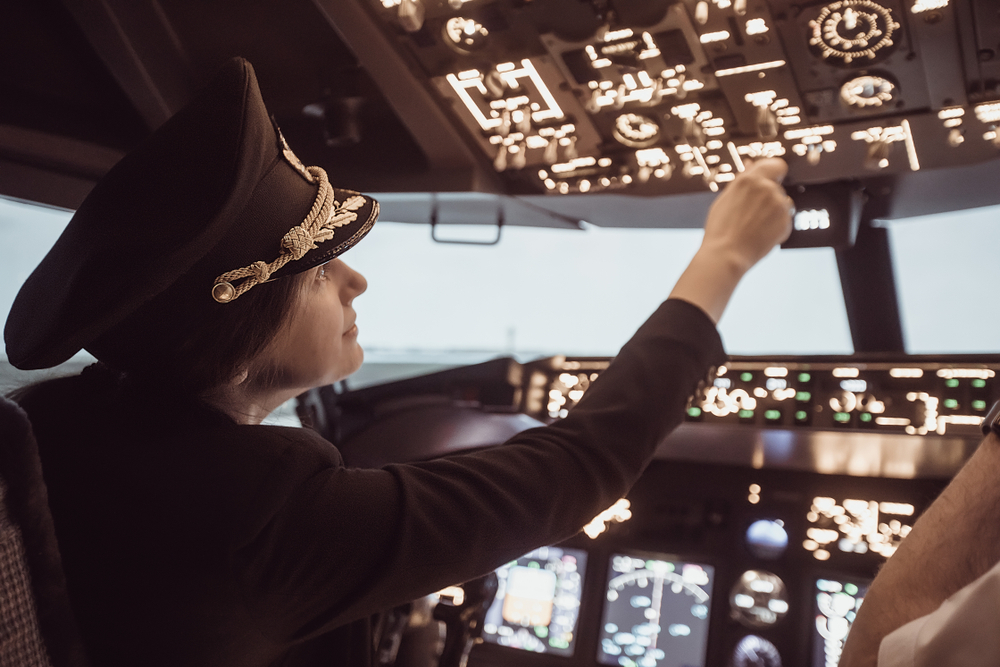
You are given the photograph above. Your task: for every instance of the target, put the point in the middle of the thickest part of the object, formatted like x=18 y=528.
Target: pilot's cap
x=213 y=204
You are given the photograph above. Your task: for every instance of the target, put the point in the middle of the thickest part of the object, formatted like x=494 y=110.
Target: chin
x=358 y=362
x=350 y=369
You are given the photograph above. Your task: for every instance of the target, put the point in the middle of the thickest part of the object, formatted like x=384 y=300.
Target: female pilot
x=202 y=272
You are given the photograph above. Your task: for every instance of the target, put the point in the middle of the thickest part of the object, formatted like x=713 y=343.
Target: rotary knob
x=635 y=130
x=866 y=92
x=852 y=32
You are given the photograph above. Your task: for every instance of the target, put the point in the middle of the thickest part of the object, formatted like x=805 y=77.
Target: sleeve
x=346 y=543
x=962 y=631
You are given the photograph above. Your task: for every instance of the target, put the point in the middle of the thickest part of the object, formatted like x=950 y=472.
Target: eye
x=322 y=273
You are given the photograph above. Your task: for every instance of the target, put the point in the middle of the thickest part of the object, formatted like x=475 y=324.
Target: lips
x=352 y=331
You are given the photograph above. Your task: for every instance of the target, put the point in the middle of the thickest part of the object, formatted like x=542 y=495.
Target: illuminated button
x=842 y=417
x=746 y=377
x=951 y=403
x=694 y=412
x=745 y=414
x=767 y=539
x=772 y=415
x=805 y=377
x=865 y=416
x=803 y=396
x=801 y=416
x=979 y=405
x=951 y=383
x=850 y=589
x=978 y=384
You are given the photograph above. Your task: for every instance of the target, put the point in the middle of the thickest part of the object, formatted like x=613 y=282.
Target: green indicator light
x=746 y=414
x=542 y=631
x=850 y=589
x=979 y=405
x=694 y=411
x=978 y=384
x=805 y=377
x=842 y=417
x=558 y=643
x=772 y=414
x=950 y=403
x=866 y=416
x=534 y=565
x=801 y=416
x=803 y=396
x=951 y=383
x=746 y=377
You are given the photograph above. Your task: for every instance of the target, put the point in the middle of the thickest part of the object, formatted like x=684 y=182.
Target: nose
x=354 y=283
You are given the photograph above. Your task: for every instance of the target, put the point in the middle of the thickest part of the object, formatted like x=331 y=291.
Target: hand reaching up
x=751 y=216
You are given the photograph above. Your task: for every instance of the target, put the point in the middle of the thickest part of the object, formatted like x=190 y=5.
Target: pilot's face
x=319 y=345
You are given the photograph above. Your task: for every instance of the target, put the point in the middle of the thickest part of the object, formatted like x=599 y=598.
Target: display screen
x=538 y=601
x=656 y=612
x=837 y=604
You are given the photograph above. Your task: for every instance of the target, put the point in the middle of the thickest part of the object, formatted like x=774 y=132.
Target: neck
x=247 y=405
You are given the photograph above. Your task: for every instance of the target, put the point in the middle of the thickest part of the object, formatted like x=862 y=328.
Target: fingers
x=772 y=168
x=791 y=206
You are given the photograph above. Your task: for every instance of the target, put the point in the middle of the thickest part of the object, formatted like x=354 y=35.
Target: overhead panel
x=661 y=98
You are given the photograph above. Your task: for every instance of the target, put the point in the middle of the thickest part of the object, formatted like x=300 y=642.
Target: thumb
x=771 y=168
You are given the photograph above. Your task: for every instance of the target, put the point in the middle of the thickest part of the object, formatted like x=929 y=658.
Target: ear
x=241 y=376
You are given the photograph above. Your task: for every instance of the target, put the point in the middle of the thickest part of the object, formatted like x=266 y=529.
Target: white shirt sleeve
x=962 y=631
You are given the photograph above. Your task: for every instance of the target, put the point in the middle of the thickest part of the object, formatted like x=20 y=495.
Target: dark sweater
x=190 y=540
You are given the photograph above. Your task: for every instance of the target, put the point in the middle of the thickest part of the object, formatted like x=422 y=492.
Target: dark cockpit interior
x=752 y=537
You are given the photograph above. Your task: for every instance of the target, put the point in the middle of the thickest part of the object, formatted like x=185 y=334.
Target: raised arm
x=746 y=221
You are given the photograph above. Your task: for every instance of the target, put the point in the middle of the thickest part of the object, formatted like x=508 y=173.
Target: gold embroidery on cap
x=326 y=215
x=292 y=158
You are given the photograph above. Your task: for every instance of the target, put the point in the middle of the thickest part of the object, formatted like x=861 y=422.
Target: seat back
x=21 y=640
x=37 y=626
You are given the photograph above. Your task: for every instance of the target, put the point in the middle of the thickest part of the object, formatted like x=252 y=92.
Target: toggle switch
x=500 y=161
x=878 y=155
x=518 y=157
x=813 y=154
x=767 y=123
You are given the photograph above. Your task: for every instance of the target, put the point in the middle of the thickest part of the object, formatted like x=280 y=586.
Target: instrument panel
x=669 y=97
x=723 y=566
x=751 y=538
x=756 y=565
x=911 y=396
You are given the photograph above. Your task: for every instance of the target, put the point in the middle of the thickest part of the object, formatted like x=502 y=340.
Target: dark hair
x=203 y=346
